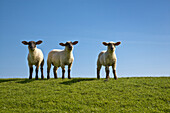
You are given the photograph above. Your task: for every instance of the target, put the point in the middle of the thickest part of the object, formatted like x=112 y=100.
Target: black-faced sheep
x=60 y=58
x=35 y=57
x=107 y=58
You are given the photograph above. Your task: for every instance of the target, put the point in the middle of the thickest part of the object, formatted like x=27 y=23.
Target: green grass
x=88 y=95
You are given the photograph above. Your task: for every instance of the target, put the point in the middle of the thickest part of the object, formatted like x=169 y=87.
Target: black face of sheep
x=111 y=45
x=32 y=44
x=69 y=45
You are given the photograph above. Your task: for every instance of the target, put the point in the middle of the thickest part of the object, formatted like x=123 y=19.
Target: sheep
x=60 y=58
x=35 y=57
x=108 y=58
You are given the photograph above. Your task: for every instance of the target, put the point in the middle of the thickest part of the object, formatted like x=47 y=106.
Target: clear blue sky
x=143 y=27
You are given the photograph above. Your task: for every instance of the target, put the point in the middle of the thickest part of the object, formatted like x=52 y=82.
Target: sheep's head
x=32 y=44
x=111 y=45
x=69 y=45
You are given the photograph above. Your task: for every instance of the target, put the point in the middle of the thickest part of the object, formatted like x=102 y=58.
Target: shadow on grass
x=26 y=81
x=75 y=80
x=21 y=81
x=8 y=80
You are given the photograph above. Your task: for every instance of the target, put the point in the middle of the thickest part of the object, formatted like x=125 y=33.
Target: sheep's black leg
x=107 y=72
x=36 y=76
x=63 y=73
x=31 y=70
x=114 y=70
x=98 y=69
x=69 y=70
x=55 y=72
x=98 y=73
x=114 y=73
x=48 y=70
x=48 y=73
x=42 y=64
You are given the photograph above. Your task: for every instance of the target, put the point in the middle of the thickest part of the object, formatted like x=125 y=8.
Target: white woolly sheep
x=35 y=57
x=60 y=58
x=107 y=58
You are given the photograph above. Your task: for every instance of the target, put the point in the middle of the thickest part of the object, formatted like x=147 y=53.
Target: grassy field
x=136 y=95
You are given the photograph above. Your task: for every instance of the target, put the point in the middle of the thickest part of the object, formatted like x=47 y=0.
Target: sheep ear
x=105 y=43
x=38 y=42
x=62 y=44
x=117 y=43
x=25 y=42
x=75 y=42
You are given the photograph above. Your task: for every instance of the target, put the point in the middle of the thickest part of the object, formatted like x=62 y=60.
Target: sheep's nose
x=70 y=48
x=32 y=48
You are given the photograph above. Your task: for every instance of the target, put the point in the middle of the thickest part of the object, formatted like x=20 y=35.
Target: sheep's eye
x=29 y=44
x=109 y=44
x=67 y=44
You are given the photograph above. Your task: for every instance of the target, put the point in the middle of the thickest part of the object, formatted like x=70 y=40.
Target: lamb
x=60 y=58
x=35 y=57
x=108 y=58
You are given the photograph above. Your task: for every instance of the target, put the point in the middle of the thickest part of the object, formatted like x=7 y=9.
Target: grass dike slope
x=144 y=94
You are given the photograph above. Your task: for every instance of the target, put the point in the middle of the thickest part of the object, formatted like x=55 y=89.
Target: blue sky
x=142 y=26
